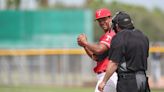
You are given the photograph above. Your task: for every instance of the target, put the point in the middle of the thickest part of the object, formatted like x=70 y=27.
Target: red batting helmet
x=100 y=13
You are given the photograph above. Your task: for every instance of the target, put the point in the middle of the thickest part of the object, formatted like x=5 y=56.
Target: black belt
x=126 y=76
x=130 y=75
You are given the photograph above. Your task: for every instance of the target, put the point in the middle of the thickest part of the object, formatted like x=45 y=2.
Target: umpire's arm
x=112 y=67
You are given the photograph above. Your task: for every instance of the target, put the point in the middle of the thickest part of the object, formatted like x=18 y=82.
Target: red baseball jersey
x=104 y=39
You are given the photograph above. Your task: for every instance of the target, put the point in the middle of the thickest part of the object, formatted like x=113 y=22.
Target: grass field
x=50 y=89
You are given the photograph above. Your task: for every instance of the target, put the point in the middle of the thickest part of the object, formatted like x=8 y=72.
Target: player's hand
x=82 y=40
x=101 y=86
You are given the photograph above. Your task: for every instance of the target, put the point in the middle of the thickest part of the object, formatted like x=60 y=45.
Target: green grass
x=43 y=89
x=157 y=90
x=50 y=89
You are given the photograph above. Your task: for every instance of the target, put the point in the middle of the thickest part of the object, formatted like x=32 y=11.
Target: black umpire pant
x=133 y=82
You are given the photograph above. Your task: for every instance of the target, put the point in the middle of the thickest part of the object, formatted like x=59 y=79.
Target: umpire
x=128 y=56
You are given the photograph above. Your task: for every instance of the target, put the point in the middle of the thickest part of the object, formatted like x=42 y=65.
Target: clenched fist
x=82 y=40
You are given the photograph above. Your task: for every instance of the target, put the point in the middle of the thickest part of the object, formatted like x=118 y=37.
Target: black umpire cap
x=123 y=20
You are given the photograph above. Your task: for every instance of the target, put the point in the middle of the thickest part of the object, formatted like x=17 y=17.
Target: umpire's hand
x=82 y=40
x=101 y=86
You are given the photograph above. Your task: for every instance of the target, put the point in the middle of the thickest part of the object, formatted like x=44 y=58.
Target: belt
x=130 y=75
x=126 y=76
x=101 y=72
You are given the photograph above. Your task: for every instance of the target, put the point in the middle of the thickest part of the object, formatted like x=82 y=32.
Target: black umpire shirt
x=129 y=48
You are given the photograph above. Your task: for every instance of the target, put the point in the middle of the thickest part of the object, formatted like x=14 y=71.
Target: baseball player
x=99 y=52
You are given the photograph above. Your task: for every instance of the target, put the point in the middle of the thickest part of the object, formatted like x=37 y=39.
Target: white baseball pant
x=110 y=85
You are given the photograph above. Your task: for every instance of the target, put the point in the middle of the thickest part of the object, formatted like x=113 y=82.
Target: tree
x=13 y=4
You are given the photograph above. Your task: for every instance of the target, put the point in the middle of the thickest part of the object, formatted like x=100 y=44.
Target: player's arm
x=90 y=54
x=96 y=48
